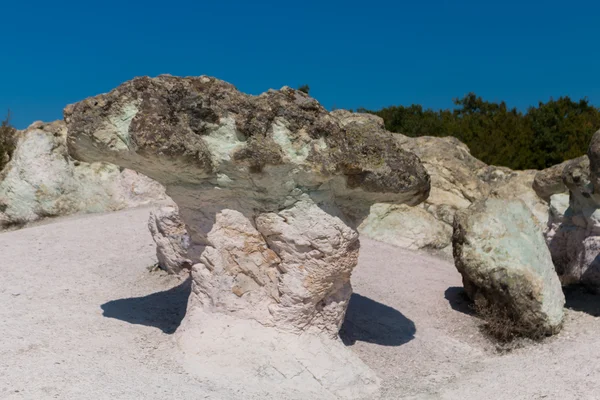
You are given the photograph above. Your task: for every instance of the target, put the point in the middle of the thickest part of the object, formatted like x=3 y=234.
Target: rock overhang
x=202 y=130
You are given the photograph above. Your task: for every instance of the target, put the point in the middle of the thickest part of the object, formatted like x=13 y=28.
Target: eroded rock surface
x=41 y=180
x=506 y=266
x=550 y=180
x=573 y=233
x=457 y=180
x=171 y=238
x=266 y=186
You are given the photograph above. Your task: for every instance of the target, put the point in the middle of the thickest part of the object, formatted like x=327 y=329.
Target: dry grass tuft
x=506 y=331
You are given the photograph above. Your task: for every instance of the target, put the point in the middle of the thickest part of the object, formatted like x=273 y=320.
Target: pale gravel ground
x=55 y=343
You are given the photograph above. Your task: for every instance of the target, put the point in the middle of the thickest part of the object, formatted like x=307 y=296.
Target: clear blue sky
x=352 y=54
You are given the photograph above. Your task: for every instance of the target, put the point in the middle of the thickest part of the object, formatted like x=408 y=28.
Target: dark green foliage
x=304 y=88
x=7 y=141
x=543 y=136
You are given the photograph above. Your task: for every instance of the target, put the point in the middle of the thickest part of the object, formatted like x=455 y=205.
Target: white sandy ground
x=407 y=321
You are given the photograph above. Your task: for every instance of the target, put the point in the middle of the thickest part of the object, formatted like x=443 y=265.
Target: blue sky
x=352 y=54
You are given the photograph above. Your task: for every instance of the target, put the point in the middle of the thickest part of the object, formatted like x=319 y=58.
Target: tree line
x=542 y=136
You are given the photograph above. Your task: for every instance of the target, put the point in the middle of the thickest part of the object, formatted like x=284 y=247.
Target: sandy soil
x=83 y=317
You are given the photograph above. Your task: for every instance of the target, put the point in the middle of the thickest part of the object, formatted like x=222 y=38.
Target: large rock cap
x=505 y=263
x=196 y=129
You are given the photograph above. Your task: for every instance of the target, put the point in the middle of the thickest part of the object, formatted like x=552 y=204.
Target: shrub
x=304 y=88
x=7 y=141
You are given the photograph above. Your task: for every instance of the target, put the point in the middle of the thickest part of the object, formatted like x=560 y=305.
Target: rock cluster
x=268 y=187
x=457 y=180
x=573 y=232
x=41 y=181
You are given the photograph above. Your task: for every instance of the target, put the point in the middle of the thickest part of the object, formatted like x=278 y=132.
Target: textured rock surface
x=457 y=180
x=504 y=261
x=573 y=233
x=519 y=185
x=251 y=359
x=171 y=238
x=263 y=183
x=550 y=180
x=407 y=227
x=41 y=181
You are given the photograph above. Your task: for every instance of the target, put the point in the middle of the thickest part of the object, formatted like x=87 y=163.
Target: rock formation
x=266 y=186
x=41 y=181
x=506 y=266
x=550 y=180
x=457 y=180
x=573 y=232
x=261 y=183
x=171 y=238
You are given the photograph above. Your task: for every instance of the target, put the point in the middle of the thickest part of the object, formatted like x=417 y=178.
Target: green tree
x=543 y=136
x=562 y=129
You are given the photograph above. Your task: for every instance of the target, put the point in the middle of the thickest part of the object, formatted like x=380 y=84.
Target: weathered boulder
x=506 y=266
x=550 y=180
x=171 y=238
x=407 y=227
x=573 y=232
x=263 y=185
x=41 y=180
x=519 y=185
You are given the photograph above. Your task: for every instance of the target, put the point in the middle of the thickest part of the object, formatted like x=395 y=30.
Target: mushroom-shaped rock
x=501 y=254
x=549 y=181
x=266 y=185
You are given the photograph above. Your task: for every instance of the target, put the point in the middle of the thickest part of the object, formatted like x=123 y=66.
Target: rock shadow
x=459 y=301
x=582 y=298
x=372 y=322
x=163 y=310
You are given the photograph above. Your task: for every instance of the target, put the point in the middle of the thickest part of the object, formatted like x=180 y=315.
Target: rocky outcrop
x=550 y=180
x=573 y=233
x=41 y=180
x=263 y=183
x=457 y=180
x=506 y=266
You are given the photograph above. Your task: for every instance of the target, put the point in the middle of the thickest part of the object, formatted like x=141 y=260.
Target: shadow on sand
x=584 y=299
x=373 y=322
x=459 y=301
x=163 y=310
